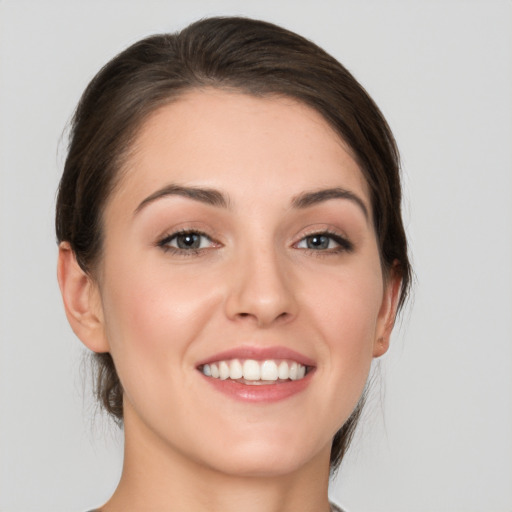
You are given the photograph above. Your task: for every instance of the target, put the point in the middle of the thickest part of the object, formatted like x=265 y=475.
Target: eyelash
x=164 y=243
x=343 y=244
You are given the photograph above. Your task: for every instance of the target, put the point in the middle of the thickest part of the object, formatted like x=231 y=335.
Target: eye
x=329 y=242
x=187 y=241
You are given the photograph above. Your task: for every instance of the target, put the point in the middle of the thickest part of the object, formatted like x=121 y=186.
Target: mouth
x=255 y=372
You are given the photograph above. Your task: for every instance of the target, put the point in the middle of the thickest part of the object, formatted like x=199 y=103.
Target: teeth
x=252 y=371
x=293 y=371
x=223 y=370
x=269 y=370
x=235 y=369
x=283 y=370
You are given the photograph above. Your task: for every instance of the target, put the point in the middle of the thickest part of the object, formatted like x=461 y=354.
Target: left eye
x=189 y=240
x=322 y=242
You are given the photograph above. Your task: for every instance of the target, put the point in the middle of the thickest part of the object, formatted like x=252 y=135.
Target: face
x=240 y=287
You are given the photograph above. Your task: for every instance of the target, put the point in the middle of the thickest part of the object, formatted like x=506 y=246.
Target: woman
x=232 y=251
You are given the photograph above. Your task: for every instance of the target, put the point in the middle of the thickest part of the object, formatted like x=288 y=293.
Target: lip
x=265 y=393
x=258 y=354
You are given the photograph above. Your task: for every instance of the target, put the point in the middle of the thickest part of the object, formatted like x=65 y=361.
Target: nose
x=261 y=289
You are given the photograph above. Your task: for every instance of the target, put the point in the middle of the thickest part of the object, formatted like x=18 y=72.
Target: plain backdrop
x=438 y=433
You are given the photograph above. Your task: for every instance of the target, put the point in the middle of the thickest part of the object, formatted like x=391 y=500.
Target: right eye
x=186 y=241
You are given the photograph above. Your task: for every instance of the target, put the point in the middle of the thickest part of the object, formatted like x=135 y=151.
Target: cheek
x=347 y=321
x=152 y=318
x=150 y=310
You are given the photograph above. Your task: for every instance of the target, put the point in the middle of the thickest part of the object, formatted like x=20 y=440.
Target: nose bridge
x=260 y=285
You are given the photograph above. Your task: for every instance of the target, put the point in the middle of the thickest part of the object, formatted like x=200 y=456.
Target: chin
x=265 y=458
x=261 y=465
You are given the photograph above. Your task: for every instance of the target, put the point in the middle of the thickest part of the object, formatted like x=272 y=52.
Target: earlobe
x=82 y=301
x=387 y=313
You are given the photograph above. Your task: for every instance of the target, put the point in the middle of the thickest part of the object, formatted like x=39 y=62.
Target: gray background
x=437 y=435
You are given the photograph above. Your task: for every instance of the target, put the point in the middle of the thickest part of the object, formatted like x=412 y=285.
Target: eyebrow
x=307 y=199
x=203 y=195
x=216 y=198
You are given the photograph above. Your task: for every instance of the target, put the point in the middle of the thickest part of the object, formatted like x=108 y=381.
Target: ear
x=82 y=301
x=388 y=310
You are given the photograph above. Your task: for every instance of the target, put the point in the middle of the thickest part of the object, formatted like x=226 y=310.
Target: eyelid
x=182 y=231
x=163 y=242
x=344 y=243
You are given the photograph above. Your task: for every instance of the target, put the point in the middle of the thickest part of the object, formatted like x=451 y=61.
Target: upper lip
x=258 y=354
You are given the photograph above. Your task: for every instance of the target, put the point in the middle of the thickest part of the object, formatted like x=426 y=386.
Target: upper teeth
x=250 y=369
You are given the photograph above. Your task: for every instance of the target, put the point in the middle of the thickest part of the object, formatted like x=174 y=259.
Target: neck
x=158 y=478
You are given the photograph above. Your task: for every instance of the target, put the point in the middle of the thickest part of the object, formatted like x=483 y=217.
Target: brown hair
x=241 y=54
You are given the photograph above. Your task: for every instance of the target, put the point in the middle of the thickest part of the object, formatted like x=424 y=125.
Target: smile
x=254 y=372
x=258 y=374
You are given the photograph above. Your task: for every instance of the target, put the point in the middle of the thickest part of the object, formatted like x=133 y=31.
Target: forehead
x=248 y=146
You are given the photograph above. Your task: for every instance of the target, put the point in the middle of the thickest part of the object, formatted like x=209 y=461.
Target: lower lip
x=262 y=392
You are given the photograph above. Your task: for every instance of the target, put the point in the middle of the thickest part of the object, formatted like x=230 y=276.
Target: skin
x=253 y=283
